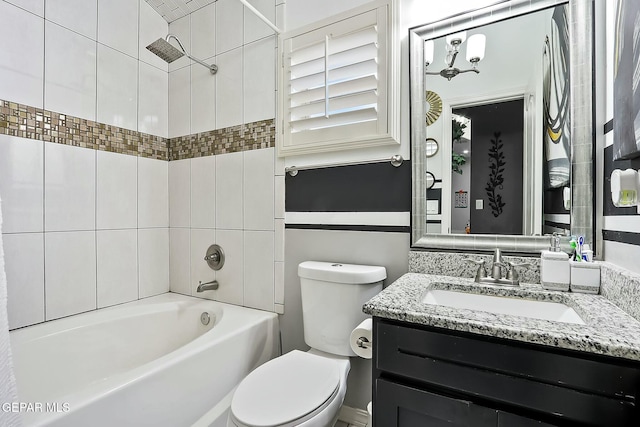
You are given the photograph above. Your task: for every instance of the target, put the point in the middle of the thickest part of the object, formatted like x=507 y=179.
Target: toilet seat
x=286 y=391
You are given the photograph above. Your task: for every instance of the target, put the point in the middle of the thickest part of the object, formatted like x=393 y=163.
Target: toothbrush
x=580 y=244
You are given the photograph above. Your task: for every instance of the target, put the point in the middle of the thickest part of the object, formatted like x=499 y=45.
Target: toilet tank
x=332 y=299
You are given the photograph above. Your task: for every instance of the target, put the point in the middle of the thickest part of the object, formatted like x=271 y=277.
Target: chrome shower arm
x=171 y=36
x=212 y=68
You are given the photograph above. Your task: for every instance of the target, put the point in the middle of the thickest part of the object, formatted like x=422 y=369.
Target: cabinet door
x=398 y=405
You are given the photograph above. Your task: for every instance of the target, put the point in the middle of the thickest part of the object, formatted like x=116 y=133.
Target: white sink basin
x=503 y=305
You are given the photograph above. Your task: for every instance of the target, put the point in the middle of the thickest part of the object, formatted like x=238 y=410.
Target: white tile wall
x=279 y=245
x=153 y=193
x=117 y=267
x=21 y=184
x=117 y=88
x=229 y=88
x=180 y=260
x=118 y=25
x=91 y=244
x=33 y=6
x=232 y=204
x=70 y=72
x=77 y=15
x=231 y=276
x=90 y=65
x=203 y=32
x=116 y=191
x=21 y=74
x=258 y=184
x=70 y=273
x=259 y=80
x=259 y=289
x=279 y=282
x=153 y=100
x=279 y=196
x=69 y=188
x=24 y=267
x=203 y=196
x=180 y=102
x=203 y=98
x=224 y=33
x=180 y=193
x=229 y=25
x=229 y=190
x=153 y=259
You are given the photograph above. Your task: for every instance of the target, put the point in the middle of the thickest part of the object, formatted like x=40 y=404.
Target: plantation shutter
x=335 y=85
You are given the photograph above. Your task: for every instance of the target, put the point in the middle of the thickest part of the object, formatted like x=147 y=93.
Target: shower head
x=169 y=53
x=165 y=50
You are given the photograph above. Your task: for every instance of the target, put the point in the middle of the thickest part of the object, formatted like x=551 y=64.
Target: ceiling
x=171 y=10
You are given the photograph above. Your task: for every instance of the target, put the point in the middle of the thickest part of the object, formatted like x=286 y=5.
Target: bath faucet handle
x=482 y=272
x=212 y=257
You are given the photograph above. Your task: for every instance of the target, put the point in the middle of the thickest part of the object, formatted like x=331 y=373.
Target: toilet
x=308 y=388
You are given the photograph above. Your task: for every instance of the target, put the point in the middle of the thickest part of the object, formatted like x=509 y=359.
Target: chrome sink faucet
x=511 y=278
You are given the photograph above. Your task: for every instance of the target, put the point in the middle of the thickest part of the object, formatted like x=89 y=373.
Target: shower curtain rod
x=260 y=15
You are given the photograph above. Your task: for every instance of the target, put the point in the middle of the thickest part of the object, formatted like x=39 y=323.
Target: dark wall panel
x=374 y=187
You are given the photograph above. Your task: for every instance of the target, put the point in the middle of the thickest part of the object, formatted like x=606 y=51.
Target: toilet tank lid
x=341 y=273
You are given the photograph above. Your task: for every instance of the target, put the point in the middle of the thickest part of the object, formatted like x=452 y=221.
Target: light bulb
x=476 y=47
x=428 y=52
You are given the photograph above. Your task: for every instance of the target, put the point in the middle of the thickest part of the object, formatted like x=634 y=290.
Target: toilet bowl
x=296 y=389
x=307 y=388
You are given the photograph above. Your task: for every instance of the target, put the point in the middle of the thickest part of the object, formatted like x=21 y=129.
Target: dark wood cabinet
x=425 y=376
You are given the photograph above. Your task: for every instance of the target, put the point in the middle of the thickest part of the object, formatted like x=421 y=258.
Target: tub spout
x=208 y=286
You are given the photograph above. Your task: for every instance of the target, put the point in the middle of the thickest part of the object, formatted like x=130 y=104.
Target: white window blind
x=334 y=89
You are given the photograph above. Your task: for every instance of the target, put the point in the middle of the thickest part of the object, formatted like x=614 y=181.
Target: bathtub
x=149 y=362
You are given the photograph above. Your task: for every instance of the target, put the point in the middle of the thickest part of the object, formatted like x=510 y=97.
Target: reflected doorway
x=487 y=168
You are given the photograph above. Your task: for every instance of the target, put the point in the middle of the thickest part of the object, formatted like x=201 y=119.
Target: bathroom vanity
x=471 y=361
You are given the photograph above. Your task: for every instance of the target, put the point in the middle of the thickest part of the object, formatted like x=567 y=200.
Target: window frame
x=387 y=125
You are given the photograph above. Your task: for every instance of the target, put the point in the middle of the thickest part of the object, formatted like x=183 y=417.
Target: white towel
x=8 y=392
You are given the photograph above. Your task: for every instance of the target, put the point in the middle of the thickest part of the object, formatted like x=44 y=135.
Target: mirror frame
x=581 y=113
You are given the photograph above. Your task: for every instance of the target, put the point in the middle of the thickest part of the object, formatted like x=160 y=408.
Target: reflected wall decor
x=556 y=101
x=626 y=108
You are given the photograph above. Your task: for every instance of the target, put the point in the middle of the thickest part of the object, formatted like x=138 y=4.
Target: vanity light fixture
x=475 y=53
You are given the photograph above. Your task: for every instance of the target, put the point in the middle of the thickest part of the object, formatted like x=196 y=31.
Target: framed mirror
x=516 y=114
x=430 y=147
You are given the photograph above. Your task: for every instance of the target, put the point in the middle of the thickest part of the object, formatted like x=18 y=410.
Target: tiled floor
x=343 y=424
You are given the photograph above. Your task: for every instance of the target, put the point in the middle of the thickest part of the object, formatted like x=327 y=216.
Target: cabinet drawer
x=577 y=389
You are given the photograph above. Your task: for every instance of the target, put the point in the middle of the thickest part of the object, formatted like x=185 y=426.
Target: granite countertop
x=607 y=330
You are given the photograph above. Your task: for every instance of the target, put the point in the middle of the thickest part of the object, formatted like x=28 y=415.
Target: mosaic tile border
x=249 y=136
x=36 y=123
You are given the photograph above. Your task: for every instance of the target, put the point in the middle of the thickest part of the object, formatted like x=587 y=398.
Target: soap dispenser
x=555 y=273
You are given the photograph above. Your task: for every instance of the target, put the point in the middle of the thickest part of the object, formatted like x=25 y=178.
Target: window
x=339 y=84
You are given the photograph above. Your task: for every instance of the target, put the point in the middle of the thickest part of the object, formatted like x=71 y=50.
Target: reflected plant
x=457 y=161
x=496 y=180
x=457 y=130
